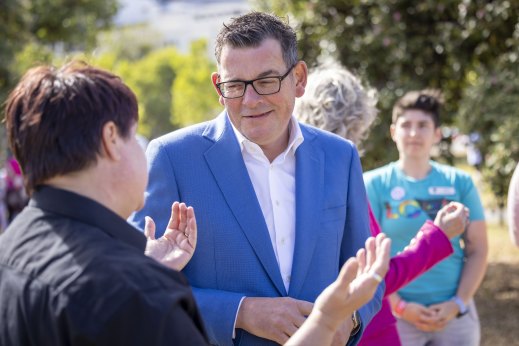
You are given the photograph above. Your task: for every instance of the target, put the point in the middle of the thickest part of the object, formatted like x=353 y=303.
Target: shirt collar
x=86 y=210
x=294 y=141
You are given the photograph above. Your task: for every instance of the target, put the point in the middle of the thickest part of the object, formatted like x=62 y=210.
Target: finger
x=458 y=210
x=347 y=274
x=149 y=228
x=282 y=339
x=361 y=260
x=290 y=329
x=427 y=313
x=381 y=265
x=191 y=227
x=299 y=320
x=182 y=218
x=174 y=218
x=426 y=318
x=370 y=252
x=304 y=307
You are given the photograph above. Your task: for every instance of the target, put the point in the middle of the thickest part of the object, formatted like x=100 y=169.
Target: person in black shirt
x=72 y=270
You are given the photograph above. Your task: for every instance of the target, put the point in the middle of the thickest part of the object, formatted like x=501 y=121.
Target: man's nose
x=250 y=95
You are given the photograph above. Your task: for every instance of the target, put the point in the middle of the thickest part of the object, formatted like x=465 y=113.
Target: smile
x=256 y=116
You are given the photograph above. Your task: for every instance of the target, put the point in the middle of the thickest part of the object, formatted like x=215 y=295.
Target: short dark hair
x=426 y=100
x=55 y=118
x=250 y=29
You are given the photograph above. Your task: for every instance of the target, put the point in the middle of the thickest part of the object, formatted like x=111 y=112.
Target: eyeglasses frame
x=251 y=81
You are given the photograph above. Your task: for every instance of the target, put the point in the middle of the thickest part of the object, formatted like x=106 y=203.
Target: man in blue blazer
x=280 y=205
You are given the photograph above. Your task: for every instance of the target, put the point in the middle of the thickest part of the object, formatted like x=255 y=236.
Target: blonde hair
x=336 y=101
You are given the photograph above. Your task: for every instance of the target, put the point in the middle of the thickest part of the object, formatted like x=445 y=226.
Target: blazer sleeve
x=429 y=247
x=356 y=232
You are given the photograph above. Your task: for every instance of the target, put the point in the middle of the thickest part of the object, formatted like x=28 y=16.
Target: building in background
x=178 y=23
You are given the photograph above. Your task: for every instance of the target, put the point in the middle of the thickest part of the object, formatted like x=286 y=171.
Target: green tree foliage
x=31 y=29
x=173 y=89
x=490 y=106
x=398 y=45
x=47 y=23
x=151 y=78
x=194 y=97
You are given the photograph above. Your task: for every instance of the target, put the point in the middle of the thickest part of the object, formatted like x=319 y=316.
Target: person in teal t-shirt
x=437 y=307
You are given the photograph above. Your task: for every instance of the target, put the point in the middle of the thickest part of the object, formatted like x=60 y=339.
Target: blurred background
x=163 y=49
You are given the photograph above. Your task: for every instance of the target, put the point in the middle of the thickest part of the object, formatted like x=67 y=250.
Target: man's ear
x=110 y=140
x=215 y=77
x=301 y=74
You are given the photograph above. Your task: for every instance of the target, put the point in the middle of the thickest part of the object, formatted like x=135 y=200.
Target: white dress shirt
x=275 y=186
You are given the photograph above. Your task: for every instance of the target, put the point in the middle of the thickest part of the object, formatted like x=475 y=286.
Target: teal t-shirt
x=402 y=204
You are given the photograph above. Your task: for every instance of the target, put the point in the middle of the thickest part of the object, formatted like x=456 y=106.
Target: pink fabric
x=13 y=171
x=431 y=246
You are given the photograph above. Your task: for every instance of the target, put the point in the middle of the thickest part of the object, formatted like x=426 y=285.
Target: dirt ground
x=498 y=304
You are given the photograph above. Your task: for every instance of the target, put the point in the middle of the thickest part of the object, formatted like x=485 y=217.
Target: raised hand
x=452 y=219
x=176 y=247
x=355 y=286
x=357 y=281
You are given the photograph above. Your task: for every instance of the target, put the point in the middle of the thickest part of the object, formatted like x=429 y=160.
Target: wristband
x=463 y=309
x=399 y=308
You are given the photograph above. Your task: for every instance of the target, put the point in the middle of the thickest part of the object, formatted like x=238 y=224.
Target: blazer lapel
x=226 y=163
x=309 y=194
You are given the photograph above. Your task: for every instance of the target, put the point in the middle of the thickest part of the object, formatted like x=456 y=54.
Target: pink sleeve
x=374 y=227
x=430 y=247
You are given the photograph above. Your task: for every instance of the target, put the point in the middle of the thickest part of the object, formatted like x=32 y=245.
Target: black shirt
x=72 y=272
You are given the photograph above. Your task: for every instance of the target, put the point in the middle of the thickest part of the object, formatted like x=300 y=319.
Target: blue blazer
x=202 y=165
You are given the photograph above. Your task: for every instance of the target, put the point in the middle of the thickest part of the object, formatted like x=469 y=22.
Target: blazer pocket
x=333 y=214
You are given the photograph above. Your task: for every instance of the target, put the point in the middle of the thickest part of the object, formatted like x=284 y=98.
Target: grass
x=498 y=297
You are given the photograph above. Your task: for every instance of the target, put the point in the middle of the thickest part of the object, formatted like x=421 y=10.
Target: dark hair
x=427 y=100
x=55 y=118
x=249 y=30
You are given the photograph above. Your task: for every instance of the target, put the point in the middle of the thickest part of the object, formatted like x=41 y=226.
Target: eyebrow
x=420 y=122
x=261 y=75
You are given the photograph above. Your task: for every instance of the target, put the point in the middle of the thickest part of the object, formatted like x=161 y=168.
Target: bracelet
x=463 y=309
x=399 y=308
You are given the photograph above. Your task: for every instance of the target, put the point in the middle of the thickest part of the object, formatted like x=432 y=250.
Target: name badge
x=442 y=190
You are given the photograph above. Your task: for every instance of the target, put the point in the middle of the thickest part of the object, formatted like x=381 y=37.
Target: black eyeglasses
x=263 y=86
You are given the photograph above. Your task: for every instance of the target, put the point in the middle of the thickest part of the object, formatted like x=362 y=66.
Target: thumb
x=347 y=274
x=149 y=228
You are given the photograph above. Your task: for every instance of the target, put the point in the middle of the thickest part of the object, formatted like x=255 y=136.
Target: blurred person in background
x=513 y=207
x=438 y=307
x=335 y=100
x=15 y=196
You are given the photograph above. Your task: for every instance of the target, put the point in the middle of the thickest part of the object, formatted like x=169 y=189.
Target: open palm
x=176 y=247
